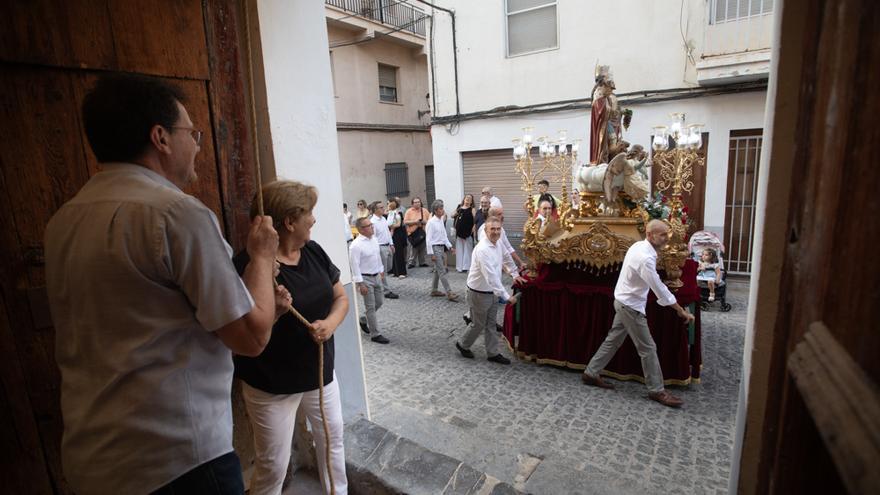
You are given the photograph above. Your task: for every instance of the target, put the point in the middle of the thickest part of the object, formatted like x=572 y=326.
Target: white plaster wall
x=356 y=70
x=641 y=40
x=720 y=114
x=302 y=118
x=363 y=155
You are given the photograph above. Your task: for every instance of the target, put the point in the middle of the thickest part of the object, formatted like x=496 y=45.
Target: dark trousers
x=221 y=476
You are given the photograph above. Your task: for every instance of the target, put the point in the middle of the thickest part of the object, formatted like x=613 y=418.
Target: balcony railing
x=395 y=13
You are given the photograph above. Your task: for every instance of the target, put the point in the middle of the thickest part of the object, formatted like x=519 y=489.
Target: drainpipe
x=454 y=55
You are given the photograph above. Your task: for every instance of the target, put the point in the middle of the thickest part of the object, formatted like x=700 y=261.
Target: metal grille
x=430 y=191
x=742 y=185
x=396 y=179
x=733 y=10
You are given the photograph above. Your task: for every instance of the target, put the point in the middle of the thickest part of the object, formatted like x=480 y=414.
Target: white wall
x=720 y=114
x=641 y=40
x=302 y=118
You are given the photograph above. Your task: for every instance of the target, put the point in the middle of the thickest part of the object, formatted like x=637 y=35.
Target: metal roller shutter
x=495 y=168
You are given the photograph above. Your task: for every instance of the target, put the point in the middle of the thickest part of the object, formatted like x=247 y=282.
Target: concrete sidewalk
x=537 y=427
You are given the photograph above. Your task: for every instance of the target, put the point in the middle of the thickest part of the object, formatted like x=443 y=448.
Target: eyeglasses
x=195 y=133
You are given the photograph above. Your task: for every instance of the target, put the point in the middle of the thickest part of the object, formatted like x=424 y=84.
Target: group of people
x=377 y=253
x=154 y=316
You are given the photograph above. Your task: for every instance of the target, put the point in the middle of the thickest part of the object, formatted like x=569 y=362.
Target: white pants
x=273 y=417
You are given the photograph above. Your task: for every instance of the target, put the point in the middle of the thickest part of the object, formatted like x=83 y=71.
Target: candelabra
x=558 y=157
x=675 y=151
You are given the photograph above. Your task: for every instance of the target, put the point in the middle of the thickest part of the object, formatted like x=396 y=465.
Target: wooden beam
x=845 y=405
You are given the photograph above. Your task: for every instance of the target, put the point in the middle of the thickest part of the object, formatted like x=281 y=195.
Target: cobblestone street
x=538 y=427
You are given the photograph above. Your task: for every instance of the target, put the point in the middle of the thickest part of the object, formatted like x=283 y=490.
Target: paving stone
x=485 y=414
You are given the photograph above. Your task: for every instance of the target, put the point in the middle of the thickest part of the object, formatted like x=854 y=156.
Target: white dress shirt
x=504 y=241
x=485 y=273
x=639 y=273
x=365 y=257
x=380 y=230
x=494 y=202
x=435 y=233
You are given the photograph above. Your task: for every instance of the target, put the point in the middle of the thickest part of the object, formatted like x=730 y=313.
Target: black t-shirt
x=289 y=364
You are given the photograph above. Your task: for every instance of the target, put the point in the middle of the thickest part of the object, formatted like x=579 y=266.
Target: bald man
x=638 y=274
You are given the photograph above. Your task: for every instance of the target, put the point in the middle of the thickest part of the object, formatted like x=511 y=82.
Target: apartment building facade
x=380 y=85
x=531 y=63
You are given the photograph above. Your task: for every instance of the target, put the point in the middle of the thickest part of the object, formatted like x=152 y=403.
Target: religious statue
x=604 y=118
x=625 y=172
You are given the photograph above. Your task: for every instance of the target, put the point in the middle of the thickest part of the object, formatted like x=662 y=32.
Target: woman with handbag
x=398 y=238
x=415 y=219
x=463 y=222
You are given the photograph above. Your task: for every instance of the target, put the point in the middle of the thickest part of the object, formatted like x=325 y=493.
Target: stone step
x=380 y=462
x=529 y=468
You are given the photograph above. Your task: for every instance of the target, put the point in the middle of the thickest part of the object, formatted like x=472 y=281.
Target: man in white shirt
x=437 y=244
x=367 y=272
x=638 y=274
x=494 y=201
x=484 y=290
x=386 y=249
x=508 y=247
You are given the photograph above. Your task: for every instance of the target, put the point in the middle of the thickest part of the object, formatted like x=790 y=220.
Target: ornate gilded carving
x=597 y=246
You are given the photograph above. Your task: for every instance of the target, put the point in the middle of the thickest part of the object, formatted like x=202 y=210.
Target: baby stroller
x=699 y=242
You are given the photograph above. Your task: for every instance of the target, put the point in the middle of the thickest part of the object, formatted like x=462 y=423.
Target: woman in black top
x=463 y=222
x=398 y=238
x=285 y=376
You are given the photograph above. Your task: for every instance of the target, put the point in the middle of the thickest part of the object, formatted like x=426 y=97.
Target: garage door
x=496 y=168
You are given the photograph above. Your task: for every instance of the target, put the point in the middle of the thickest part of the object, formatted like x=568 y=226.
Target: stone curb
x=380 y=462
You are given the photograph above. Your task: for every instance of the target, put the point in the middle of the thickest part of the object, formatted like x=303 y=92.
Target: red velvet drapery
x=565 y=313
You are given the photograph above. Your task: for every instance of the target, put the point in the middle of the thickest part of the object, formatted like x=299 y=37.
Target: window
x=387 y=83
x=732 y=10
x=531 y=26
x=396 y=179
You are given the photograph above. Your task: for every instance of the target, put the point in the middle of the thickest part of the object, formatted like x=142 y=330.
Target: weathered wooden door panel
x=47 y=52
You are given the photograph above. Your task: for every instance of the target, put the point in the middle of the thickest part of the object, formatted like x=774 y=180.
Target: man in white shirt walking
x=437 y=244
x=386 y=249
x=639 y=273
x=484 y=290
x=503 y=240
x=367 y=273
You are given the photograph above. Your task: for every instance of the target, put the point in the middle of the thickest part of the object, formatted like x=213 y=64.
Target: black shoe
x=499 y=328
x=411 y=265
x=464 y=352
x=424 y=265
x=467 y=320
x=380 y=339
x=391 y=295
x=364 y=327
x=498 y=358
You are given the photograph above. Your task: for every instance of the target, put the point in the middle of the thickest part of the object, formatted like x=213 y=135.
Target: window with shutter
x=732 y=10
x=396 y=179
x=387 y=83
x=531 y=26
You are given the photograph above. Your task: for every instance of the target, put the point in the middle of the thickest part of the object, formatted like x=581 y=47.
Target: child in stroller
x=706 y=249
x=709 y=271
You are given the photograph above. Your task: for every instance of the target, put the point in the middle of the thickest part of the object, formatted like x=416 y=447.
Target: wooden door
x=51 y=52
x=829 y=269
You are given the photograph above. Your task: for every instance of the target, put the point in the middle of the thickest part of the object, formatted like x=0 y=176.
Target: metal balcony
x=395 y=13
